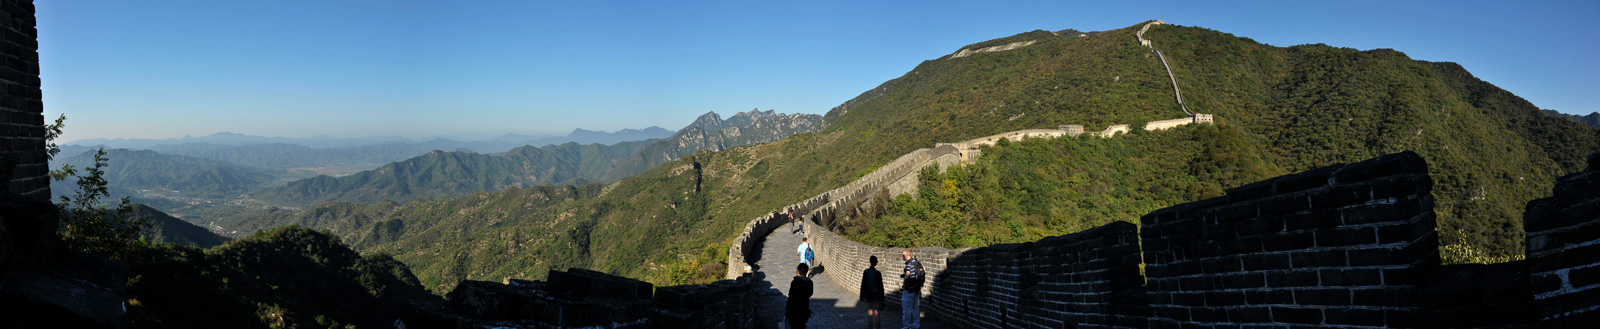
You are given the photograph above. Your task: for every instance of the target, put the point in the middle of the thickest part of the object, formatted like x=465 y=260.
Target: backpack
x=810 y=257
x=918 y=275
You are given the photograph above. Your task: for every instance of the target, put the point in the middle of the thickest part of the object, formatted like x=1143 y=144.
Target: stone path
x=831 y=305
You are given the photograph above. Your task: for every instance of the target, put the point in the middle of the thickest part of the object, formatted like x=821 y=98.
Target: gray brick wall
x=1338 y=246
x=21 y=111
x=1563 y=243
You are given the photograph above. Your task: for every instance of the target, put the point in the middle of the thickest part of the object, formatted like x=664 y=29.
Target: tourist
x=872 y=293
x=798 y=310
x=911 y=291
x=797 y=223
x=805 y=254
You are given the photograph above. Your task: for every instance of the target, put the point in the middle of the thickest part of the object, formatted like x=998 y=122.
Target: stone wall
x=1335 y=246
x=1346 y=246
x=21 y=111
x=1563 y=244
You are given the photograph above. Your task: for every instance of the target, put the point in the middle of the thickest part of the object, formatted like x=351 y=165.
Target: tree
x=91 y=226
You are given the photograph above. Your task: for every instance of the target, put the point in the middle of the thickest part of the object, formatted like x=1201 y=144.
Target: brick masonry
x=1343 y=246
x=22 y=143
x=1563 y=244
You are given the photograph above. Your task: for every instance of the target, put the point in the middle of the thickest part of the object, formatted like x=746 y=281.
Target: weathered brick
x=1284 y=205
x=1295 y=278
x=1224 y=298
x=1346 y=236
x=1358 y=317
x=1326 y=258
x=1278 y=296
x=1388 y=296
x=1296 y=315
x=1258 y=262
x=1351 y=277
x=1288 y=241
x=1312 y=220
x=1334 y=296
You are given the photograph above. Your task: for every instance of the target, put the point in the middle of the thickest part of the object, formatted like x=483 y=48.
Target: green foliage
x=1031 y=189
x=274 y=279
x=88 y=224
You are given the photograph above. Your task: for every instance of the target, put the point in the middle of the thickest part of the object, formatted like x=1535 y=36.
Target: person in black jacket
x=872 y=293
x=798 y=310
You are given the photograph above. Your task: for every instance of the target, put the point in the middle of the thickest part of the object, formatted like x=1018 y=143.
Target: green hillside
x=1279 y=110
x=167 y=229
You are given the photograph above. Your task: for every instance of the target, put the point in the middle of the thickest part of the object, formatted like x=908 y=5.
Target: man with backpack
x=911 y=291
x=807 y=256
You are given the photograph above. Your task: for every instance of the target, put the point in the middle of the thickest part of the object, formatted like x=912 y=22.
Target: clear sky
x=157 y=69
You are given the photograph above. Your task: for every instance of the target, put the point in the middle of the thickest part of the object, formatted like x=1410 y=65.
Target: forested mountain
x=129 y=171
x=710 y=132
x=167 y=229
x=440 y=174
x=1279 y=110
x=1593 y=119
x=449 y=174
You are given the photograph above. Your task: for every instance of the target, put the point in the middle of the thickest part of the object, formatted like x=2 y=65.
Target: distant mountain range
x=360 y=152
x=441 y=174
x=1593 y=119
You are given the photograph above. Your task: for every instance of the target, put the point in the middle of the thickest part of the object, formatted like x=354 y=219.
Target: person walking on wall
x=911 y=291
x=807 y=257
x=798 y=309
x=797 y=224
x=872 y=293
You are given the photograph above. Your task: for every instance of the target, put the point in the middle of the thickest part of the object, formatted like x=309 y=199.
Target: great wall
x=1348 y=245
x=1146 y=42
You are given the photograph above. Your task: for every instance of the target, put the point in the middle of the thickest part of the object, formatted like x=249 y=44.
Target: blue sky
x=157 y=69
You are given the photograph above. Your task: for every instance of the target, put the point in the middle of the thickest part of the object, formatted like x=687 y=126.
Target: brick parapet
x=1563 y=246
x=22 y=135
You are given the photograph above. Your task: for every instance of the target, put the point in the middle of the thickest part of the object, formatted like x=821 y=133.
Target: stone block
x=1294 y=278
x=1332 y=296
x=1224 y=298
x=1261 y=297
x=1346 y=236
x=1356 y=317
x=1260 y=262
x=1310 y=259
x=1352 y=277
x=1318 y=219
x=1296 y=315
x=1386 y=296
